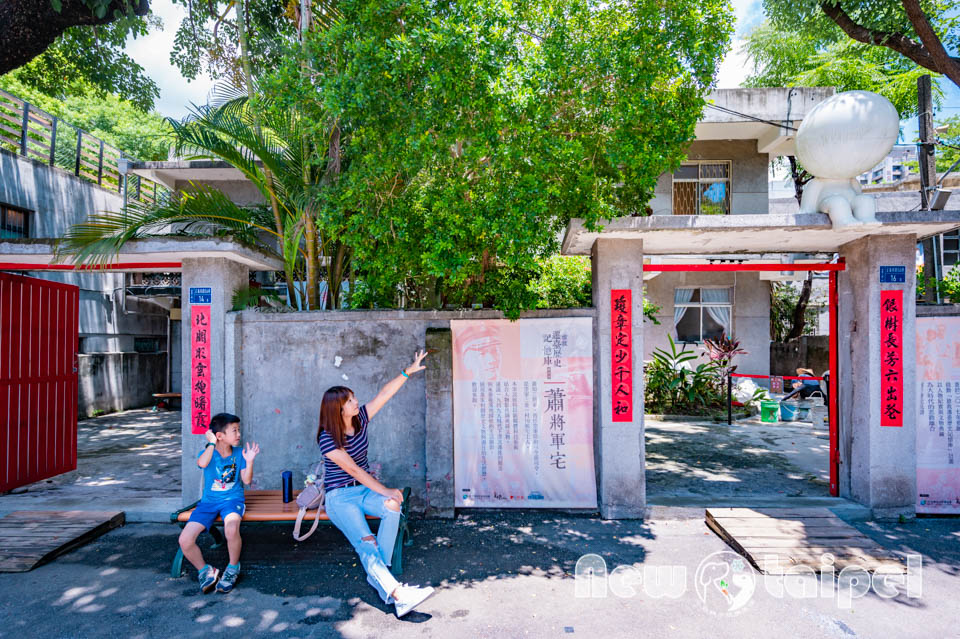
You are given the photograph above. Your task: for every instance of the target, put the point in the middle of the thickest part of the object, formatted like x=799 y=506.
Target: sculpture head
x=847 y=134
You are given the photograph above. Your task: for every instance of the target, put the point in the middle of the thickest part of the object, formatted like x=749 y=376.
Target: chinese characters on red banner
x=200 y=368
x=891 y=358
x=621 y=337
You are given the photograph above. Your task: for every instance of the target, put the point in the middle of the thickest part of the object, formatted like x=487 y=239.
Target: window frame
x=955 y=253
x=3 y=221
x=702 y=180
x=701 y=305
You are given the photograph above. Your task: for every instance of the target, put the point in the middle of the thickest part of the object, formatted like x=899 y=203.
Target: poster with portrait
x=523 y=413
x=938 y=415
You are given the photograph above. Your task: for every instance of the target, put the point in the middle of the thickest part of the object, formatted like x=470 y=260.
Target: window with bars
x=950 y=249
x=13 y=222
x=701 y=313
x=702 y=188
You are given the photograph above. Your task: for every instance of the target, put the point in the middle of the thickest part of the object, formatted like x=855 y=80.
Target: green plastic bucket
x=769 y=410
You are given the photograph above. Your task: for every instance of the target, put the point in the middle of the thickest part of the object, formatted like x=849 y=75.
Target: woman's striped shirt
x=356 y=447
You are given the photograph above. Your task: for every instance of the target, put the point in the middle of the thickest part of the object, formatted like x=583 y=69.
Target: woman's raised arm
x=391 y=387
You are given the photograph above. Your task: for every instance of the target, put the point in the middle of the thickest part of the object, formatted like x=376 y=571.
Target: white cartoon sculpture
x=839 y=139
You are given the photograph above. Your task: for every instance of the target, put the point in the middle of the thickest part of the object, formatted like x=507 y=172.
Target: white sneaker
x=409 y=597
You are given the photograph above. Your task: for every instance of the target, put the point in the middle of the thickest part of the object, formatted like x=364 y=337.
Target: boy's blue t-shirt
x=221 y=477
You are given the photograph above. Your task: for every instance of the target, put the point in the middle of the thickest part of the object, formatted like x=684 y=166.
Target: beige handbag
x=312 y=496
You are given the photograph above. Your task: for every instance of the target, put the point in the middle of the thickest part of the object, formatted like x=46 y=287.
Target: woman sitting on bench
x=352 y=492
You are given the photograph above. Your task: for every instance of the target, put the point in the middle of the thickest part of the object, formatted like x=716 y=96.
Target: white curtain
x=681 y=296
x=720 y=314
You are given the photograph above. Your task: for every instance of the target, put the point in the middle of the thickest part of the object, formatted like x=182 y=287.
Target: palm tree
x=271 y=148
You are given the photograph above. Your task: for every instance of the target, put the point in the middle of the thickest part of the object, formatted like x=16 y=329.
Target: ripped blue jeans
x=347 y=508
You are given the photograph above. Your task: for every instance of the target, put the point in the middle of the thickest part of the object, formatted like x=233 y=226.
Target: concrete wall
x=119 y=381
x=751 y=314
x=748 y=176
x=281 y=363
x=810 y=351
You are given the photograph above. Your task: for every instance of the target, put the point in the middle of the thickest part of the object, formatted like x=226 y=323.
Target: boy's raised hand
x=250 y=451
x=211 y=436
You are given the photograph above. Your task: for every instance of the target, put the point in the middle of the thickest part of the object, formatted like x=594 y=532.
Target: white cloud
x=734 y=68
x=153 y=54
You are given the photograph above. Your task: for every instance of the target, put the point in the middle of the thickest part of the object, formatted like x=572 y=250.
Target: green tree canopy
x=798 y=58
x=921 y=31
x=470 y=133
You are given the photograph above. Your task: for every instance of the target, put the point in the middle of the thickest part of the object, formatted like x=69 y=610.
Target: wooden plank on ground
x=30 y=538
x=773 y=539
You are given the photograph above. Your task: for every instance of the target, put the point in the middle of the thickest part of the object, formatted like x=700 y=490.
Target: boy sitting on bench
x=222 y=461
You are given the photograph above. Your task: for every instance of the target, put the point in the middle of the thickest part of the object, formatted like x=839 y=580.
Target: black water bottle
x=287 y=486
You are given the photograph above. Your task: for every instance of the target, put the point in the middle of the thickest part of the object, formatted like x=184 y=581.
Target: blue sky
x=153 y=53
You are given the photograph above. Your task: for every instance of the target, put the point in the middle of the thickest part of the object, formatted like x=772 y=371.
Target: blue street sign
x=893 y=274
x=202 y=295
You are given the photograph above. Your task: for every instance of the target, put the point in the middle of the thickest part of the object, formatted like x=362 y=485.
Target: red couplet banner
x=200 y=368
x=891 y=358
x=621 y=350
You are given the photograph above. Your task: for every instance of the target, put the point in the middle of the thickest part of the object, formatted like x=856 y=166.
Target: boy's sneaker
x=228 y=580
x=208 y=579
x=409 y=597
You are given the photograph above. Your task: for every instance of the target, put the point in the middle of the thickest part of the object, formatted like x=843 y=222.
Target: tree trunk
x=799 y=318
x=313 y=258
x=31 y=26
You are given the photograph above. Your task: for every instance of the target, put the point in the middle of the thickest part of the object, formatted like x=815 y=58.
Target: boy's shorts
x=206 y=512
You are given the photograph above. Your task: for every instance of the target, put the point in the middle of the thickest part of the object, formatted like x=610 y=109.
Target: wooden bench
x=161 y=397
x=267 y=507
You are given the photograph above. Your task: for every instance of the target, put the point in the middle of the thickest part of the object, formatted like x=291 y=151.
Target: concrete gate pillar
x=619 y=446
x=877 y=463
x=223 y=276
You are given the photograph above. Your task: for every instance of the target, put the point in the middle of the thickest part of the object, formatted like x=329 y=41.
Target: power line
x=750 y=117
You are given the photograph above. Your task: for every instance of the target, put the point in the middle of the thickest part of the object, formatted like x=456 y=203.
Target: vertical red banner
x=200 y=369
x=891 y=358
x=621 y=351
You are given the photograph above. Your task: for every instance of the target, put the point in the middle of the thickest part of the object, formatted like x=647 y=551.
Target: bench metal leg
x=176 y=570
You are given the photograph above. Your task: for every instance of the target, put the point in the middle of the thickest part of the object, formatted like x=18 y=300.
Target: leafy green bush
x=673 y=387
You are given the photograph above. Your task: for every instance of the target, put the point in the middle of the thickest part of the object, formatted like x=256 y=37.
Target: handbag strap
x=296 y=527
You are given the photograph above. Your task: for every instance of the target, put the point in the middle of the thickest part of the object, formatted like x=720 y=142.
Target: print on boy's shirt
x=226 y=476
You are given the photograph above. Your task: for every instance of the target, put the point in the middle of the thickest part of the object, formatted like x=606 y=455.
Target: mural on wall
x=523 y=413
x=938 y=414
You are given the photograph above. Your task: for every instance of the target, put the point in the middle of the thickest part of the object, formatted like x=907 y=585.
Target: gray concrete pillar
x=223 y=277
x=619 y=446
x=877 y=463
x=438 y=455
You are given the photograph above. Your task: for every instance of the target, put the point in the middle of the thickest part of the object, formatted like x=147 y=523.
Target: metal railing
x=37 y=135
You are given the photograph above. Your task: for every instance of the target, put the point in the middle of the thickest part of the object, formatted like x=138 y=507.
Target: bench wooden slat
x=267 y=505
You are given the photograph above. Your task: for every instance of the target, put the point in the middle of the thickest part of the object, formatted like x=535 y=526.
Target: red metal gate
x=38 y=379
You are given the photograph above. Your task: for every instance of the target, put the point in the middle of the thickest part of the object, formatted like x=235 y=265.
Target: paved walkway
x=700 y=462
x=126 y=461
x=498 y=575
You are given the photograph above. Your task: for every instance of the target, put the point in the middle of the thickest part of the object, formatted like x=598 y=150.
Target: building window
x=951 y=248
x=702 y=188
x=13 y=223
x=701 y=313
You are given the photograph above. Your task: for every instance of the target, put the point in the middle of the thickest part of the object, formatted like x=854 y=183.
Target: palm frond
x=99 y=240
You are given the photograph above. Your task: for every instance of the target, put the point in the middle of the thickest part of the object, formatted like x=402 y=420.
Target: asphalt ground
x=497 y=574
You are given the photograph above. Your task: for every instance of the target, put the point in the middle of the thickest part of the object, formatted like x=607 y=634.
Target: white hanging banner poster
x=523 y=413
x=938 y=415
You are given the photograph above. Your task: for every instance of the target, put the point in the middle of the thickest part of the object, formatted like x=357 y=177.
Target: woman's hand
x=394 y=493
x=416 y=366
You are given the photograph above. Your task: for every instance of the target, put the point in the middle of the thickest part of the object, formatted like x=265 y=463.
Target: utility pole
x=928 y=178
